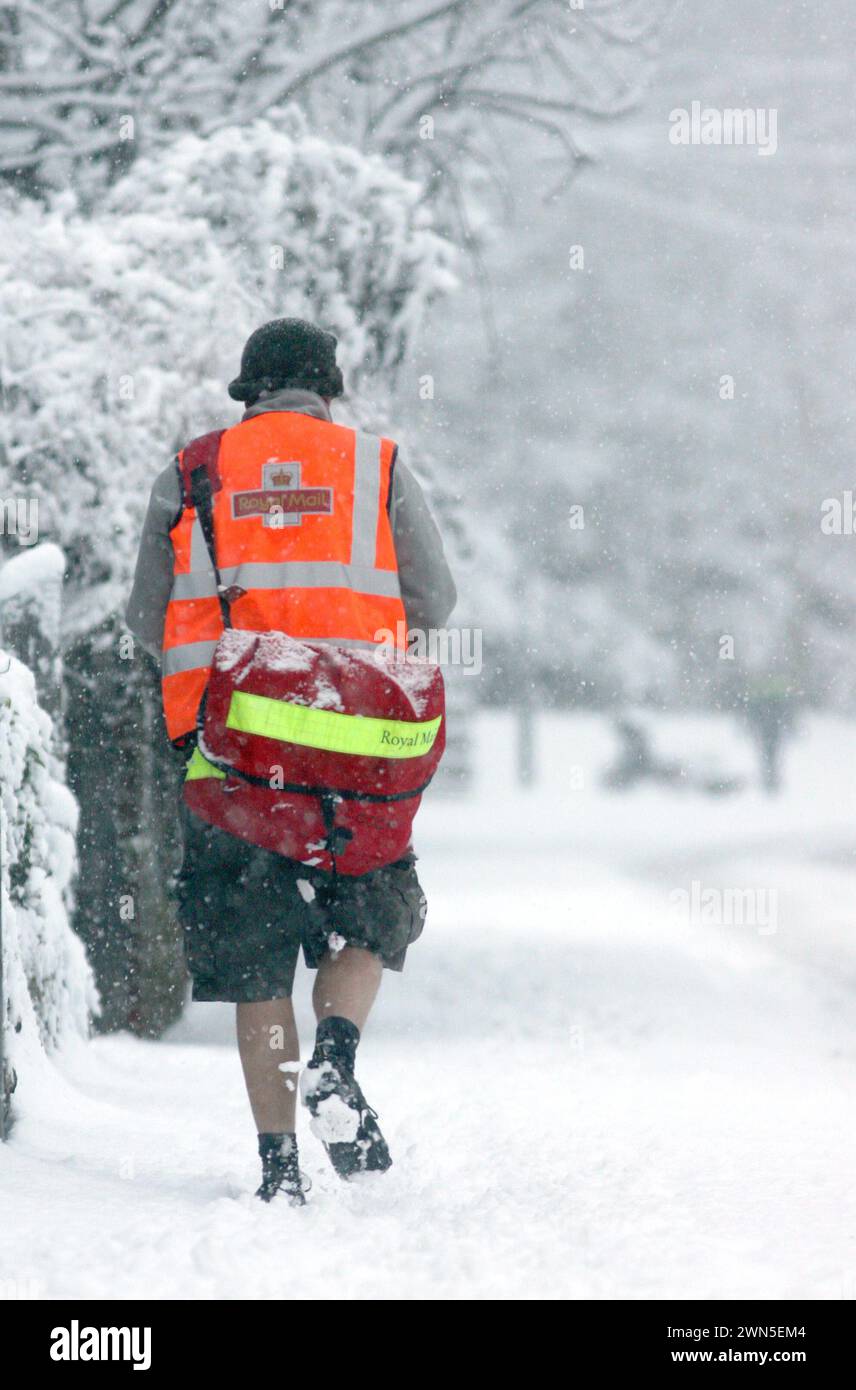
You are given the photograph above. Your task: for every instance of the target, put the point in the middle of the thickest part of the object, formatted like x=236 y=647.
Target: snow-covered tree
x=439 y=85
x=30 y=616
x=48 y=990
x=309 y=227
x=666 y=422
x=120 y=330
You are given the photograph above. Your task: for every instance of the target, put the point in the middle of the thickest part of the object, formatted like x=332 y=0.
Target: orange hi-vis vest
x=303 y=543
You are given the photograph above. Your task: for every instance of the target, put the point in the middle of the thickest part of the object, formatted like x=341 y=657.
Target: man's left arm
x=427 y=587
x=146 y=611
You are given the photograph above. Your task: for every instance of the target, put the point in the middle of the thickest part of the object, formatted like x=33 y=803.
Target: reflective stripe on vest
x=187 y=657
x=329 y=730
x=366 y=501
x=322 y=569
x=296 y=574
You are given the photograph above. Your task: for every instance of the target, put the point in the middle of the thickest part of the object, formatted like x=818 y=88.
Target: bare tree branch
x=366 y=73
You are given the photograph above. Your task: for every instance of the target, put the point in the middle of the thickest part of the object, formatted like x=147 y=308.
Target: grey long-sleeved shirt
x=427 y=588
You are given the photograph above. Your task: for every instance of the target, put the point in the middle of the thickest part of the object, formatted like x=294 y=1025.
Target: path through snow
x=584 y=1097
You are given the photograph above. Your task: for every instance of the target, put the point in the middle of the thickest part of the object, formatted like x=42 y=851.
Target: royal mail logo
x=281 y=501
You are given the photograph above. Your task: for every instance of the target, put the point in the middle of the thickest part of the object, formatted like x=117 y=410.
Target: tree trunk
x=127 y=781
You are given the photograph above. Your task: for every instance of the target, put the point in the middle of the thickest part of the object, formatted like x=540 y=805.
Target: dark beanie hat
x=287 y=352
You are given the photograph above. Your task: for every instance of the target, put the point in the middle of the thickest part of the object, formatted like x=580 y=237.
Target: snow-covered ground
x=594 y=1080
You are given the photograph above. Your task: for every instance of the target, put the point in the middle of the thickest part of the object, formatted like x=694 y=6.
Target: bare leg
x=267 y=1037
x=345 y=988
x=346 y=985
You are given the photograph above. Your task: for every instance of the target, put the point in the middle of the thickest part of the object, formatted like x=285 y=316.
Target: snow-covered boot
x=341 y=1118
x=280 y=1170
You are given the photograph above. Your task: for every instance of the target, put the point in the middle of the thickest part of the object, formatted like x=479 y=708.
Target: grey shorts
x=246 y=912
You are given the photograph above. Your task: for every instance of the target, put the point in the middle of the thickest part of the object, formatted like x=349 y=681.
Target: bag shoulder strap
x=200 y=480
x=202 y=452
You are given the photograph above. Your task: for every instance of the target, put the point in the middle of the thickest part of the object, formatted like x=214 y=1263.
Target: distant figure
x=771 y=715
x=636 y=760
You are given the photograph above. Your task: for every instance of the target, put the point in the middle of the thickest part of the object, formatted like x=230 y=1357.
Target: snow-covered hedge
x=120 y=330
x=311 y=228
x=47 y=981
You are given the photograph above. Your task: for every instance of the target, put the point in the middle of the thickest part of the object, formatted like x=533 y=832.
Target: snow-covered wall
x=48 y=987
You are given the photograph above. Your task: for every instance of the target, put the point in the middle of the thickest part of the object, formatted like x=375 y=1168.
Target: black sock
x=278 y=1145
x=337 y=1038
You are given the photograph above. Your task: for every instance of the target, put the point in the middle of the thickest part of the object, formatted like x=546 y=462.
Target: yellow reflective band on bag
x=200 y=767
x=326 y=729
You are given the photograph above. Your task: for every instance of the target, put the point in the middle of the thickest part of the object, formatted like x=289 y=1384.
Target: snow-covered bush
x=104 y=324
x=312 y=229
x=47 y=985
x=119 y=332
x=30 y=616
